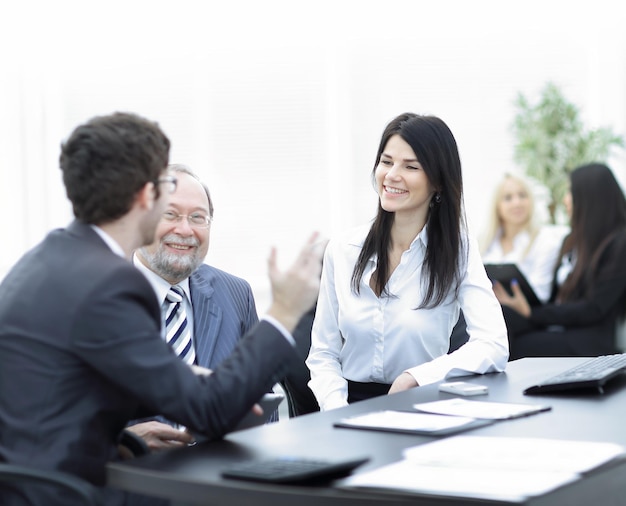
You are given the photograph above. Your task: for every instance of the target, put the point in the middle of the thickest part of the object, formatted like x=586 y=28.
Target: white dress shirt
x=109 y=241
x=161 y=288
x=538 y=264
x=367 y=338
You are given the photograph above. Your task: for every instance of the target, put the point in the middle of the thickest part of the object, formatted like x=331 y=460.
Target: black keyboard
x=592 y=373
x=292 y=470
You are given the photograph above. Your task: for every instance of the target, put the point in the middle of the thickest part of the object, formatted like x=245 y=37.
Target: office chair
x=86 y=492
x=620 y=335
x=81 y=489
x=300 y=399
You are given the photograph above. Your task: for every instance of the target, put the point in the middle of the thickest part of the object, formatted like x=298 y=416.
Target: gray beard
x=171 y=267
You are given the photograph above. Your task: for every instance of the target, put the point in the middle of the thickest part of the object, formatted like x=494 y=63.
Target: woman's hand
x=517 y=301
x=403 y=382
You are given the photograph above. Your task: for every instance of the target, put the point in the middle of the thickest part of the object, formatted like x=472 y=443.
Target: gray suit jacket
x=223 y=312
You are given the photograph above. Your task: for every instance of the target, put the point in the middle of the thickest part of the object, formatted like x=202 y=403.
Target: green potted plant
x=551 y=140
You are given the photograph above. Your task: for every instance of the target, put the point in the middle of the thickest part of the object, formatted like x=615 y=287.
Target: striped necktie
x=177 y=333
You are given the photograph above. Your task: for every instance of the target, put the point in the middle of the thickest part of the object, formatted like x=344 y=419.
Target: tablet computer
x=505 y=273
x=269 y=403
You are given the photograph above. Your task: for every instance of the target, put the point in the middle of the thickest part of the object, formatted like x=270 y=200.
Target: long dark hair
x=437 y=152
x=598 y=220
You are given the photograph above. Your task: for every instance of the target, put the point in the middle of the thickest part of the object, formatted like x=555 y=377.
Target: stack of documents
x=492 y=468
x=441 y=417
x=409 y=422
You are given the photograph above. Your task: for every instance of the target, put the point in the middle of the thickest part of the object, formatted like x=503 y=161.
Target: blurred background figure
x=589 y=287
x=514 y=235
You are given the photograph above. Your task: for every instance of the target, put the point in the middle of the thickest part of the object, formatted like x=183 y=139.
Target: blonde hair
x=494 y=222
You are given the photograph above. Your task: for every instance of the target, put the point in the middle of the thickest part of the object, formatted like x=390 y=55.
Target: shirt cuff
x=423 y=377
x=333 y=402
x=280 y=327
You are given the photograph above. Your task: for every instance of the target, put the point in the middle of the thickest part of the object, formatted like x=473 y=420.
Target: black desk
x=192 y=475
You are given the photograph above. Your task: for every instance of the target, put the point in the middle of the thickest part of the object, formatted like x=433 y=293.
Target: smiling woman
x=391 y=292
x=402 y=184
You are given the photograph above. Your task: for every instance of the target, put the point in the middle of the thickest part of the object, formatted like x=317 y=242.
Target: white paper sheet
x=480 y=409
x=405 y=420
x=495 y=468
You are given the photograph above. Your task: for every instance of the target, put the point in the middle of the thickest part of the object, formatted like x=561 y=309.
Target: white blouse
x=538 y=264
x=367 y=338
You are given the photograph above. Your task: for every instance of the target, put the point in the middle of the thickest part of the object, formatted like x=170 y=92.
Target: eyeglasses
x=170 y=181
x=198 y=220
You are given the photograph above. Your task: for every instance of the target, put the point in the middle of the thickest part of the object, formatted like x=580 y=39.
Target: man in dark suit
x=81 y=351
x=221 y=306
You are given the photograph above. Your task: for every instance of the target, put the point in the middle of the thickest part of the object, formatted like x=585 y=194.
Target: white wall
x=279 y=105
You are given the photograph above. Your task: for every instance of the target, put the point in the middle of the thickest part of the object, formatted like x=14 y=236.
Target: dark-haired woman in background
x=589 y=289
x=391 y=291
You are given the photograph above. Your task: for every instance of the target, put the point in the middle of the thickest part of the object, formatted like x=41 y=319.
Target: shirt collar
x=109 y=241
x=520 y=238
x=160 y=286
x=421 y=238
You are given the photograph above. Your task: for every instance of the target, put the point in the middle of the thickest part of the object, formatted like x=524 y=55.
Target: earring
x=435 y=200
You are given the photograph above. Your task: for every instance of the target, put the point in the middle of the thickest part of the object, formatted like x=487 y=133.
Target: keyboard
x=293 y=470
x=592 y=373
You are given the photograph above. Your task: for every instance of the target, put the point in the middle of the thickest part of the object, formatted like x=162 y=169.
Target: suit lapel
x=207 y=318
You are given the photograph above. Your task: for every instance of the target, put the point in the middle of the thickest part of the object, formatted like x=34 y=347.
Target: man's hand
x=403 y=382
x=517 y=301
x=160 y=436
x=295 y=291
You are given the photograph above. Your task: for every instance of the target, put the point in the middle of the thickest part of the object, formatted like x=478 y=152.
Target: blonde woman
x=514 y=236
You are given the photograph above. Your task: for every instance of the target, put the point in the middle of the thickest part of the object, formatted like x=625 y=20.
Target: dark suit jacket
x=585 y=327
x=81 y=354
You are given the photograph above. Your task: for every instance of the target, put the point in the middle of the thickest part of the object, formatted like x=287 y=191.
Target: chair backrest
x=299 y=397
x=620 y=335
x=84 y=491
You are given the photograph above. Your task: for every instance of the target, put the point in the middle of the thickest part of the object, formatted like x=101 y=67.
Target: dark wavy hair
x=107 y=160
x=598 y=221
x=437 y=152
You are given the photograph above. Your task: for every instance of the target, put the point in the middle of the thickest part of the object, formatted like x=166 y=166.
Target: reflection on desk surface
x=193 y=475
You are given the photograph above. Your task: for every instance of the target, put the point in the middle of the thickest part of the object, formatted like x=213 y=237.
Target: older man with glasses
x=219 y=307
